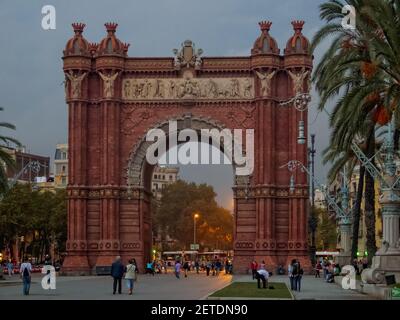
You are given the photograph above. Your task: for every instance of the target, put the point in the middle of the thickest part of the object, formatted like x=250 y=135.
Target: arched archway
x=140 y=172
x=114 y=100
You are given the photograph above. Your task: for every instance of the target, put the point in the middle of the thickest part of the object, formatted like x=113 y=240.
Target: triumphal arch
x=113 y=100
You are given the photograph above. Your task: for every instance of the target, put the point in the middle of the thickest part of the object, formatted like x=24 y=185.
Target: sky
x=31 y=76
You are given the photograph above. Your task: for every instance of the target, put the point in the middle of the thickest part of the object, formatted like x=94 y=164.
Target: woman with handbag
x=130 y=275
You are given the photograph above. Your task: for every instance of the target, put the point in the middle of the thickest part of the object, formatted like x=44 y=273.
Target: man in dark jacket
x=117 y=271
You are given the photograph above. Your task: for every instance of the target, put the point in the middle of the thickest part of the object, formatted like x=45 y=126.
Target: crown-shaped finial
x=125 y=47
x=265 y=25
x=78 y=27
x=93 y=47
x=298 y=25
x=111 y=26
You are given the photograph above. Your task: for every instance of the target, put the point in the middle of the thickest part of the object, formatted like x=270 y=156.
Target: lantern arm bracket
x=341 y=214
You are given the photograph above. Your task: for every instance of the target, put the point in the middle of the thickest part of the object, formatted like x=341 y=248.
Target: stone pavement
x=163 y=287
x=148 y=287
x=314 y=289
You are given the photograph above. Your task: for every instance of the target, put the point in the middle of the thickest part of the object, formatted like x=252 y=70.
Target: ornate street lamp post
x=343 y=214
x=195 y=217
x=387 y=258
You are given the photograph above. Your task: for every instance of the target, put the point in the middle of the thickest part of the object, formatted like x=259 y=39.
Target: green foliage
x=175 y=216
x=6 y=161
x=361 y=72
x=38 y=215
x=326 y=231
x=250 y=290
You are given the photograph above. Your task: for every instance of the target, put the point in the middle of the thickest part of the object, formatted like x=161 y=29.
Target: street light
x=195 y=217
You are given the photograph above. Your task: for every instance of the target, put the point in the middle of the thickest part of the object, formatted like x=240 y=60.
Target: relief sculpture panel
x=188 y=88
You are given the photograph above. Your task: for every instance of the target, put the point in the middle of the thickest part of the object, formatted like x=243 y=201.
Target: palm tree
x=6 y=159
x=349 y=73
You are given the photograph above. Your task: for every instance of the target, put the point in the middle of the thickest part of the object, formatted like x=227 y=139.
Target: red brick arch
x=114 y=100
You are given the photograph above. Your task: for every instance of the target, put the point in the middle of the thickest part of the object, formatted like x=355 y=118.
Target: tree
x=6 y=161
x=40 y=216
x=326 y=230
x=175 y=214
x=357 y=71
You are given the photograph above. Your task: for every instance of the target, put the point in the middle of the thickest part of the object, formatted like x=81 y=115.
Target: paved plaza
x=161 y=287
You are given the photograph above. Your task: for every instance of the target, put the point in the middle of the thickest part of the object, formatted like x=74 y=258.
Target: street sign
x=194 y=247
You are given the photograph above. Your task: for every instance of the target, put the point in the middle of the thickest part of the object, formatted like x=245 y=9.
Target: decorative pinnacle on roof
x=298 y=25
x=111 y=27
x=265 y=25
x=78 y=27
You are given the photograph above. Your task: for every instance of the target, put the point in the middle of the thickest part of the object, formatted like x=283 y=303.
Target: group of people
x=260 y=273
x=213 y=267
x=117 y=272
x=295 y=273
x=330 y=270
x=360 y=265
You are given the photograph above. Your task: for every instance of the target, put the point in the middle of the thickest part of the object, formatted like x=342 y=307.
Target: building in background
x=61 y=166
x=23 y=160
x=319 y=199
x=163 y=176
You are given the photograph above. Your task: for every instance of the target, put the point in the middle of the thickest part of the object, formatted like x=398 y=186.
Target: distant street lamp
x=195 y=217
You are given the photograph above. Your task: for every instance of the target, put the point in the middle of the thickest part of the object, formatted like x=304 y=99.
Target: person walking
x=10 y=268
x=186 y=268
x=131 y=275
x=178 y=269
x=218 y=266
x=208 y=267
x=318 y=268
x=25 y=271
x=117 y=272
x=297 y=276
x=254 y=267
x=291 y=274
x=197 y=266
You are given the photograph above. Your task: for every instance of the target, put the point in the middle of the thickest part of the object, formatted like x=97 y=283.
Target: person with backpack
x=25 y=271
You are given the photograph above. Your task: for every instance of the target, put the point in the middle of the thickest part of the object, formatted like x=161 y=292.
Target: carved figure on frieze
x=298 y=80
x=172 y=89
x=127 y=89
x=159 y=89
x=75 y=83
x=146 y=88
x=247 y=88
x=212 y=89
x=265 y=82
x=235 y=88
x=108 y=84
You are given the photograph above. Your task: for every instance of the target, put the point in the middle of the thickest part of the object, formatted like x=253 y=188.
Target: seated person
x=336 y=270
x=281 y=271
x=262 y=275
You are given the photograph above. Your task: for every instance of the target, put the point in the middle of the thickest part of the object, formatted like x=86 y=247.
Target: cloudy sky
x=31 y=75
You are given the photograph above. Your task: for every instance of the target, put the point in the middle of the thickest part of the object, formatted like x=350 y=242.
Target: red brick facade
x=110 y=113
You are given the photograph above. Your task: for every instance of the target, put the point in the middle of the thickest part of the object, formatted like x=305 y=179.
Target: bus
x=326 y=255
x=171 y=256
